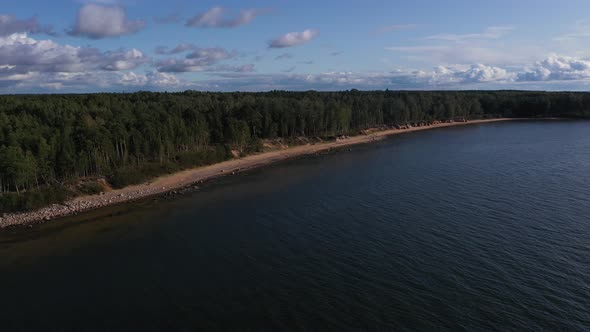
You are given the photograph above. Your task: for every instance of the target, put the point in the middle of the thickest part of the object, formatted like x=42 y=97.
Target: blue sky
x=128 y=45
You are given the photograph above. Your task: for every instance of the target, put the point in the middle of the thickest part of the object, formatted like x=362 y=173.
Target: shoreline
x=183 y=179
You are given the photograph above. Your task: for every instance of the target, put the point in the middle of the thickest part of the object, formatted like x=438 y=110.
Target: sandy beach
x=176 y=181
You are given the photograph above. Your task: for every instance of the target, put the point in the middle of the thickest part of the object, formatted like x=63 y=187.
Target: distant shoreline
x=191 y=177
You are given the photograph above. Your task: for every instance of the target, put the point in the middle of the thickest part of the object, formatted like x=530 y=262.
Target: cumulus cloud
x=199 y=59
x=21 y=54
x=123 y=60
x=31 y=65
x=10 y=24
x=290 y=81
x=92 y=81
x=557 y=68
x=218 y=17
x=103 y=81
x=293 y=39
x=179 y=66
x=209 y=56
x=100 y=21
x=247 y=68
x=153 y=79
x=477 y=73
x=181 y=48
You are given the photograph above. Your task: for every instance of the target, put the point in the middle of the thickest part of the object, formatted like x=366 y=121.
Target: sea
x=474 y=228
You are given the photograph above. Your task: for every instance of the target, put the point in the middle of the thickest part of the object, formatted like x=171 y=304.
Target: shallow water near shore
x=465 y=228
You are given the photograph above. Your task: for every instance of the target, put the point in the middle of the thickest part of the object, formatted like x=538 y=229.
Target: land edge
x=191 y=177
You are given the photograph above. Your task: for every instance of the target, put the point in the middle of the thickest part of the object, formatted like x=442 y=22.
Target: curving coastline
x=190 y=177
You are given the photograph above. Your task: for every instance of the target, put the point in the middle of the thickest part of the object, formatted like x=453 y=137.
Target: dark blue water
x=474 y=228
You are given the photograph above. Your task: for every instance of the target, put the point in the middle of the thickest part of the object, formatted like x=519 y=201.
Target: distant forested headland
x=50 y=143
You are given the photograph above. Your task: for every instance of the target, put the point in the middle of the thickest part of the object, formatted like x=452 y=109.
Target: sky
x=78 y=46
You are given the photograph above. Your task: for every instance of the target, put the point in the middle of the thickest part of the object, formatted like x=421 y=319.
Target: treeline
x=48 y=141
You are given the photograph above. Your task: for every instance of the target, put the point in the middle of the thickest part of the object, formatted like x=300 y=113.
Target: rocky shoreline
x=72 y=207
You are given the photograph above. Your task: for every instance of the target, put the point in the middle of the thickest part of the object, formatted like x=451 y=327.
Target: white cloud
x=180 y=48
x=162 y=79
x=96 y=80
x=293 y=39
x=247 y=68
x=557 y=68
x=30 y=65
x=200 y=59
x=123 y=60
x=99 y=21
x=478 y=73
x=217 y=17
x=22 y=54
x=438 y=77
x=489 y=33
x=27 y=54
x=179 y=66
x=209 y=56
x=153 y=79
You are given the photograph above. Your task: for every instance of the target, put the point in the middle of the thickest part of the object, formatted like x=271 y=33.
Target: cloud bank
x=557 y=68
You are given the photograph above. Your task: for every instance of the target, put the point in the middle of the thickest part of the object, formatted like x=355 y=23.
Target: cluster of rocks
x=75 y=206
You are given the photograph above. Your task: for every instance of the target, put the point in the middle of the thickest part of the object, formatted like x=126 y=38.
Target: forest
x=50 y=143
